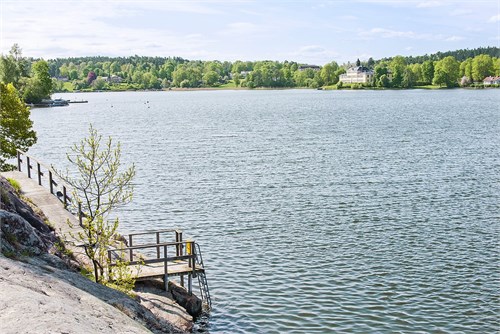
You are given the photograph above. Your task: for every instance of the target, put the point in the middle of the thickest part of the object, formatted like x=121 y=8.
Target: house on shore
x=357 y=74
x=491 y=81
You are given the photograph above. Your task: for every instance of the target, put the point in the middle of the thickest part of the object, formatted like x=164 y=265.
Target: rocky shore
x=42 y=290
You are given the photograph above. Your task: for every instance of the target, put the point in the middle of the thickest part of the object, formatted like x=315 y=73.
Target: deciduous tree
x=16 y=130
x=100 y=187
x=482 y=66
x=446 y=72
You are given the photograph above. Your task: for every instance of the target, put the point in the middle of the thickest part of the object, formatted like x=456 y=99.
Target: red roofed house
x=491 y=81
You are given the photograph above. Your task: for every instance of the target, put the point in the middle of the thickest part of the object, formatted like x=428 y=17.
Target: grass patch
x=229 y=84
x=15 y=185
x=429 y=87
x=68 y=86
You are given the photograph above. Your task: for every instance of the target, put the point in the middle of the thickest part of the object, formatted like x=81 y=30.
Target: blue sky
x=314 y=32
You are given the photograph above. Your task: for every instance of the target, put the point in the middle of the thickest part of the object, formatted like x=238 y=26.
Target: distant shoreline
x=327 y=88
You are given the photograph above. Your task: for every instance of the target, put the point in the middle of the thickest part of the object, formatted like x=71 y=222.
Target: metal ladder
x=202 y=280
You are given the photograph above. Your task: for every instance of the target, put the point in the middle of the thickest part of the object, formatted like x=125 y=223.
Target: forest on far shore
x=443 y=69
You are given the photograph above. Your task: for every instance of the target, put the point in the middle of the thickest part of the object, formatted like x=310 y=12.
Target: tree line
x=101 y=73
x=35 y=79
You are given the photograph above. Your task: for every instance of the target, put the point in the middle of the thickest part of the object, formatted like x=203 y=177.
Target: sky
x=312 y=32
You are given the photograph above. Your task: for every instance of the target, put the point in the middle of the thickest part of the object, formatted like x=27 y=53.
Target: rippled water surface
x=316 y=211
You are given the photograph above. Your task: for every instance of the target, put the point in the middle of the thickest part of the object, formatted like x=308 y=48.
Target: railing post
x=193 y=258
x=165 y=278
x=51 y=182
x=80 y=216
x=130 y=245
x=178 y=238
x=65 y=198
x=28 y=166
x=39 y=170
x=158 y=247
x=19 y=161
x=109 y=264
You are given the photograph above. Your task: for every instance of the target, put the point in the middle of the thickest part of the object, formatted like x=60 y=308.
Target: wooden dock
x=150 y=254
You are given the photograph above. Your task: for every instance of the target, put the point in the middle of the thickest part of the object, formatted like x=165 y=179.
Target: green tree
x=409 y=78
x=211 y=78
x=100 y=187
x=446 y=72
x=15 y=125
x=328 y=74
x=427 y=72
x=39 y=86
x=496 y=66
x=380 y=70
x=383 y=81
x=397 y=66
x=99 y=84
x=466 y=68
x=9 y=72
x=482 y=66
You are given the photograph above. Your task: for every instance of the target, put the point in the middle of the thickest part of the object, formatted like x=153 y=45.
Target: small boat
x=59 y=103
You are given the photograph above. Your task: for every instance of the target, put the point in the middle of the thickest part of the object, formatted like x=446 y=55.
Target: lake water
x=316 y=211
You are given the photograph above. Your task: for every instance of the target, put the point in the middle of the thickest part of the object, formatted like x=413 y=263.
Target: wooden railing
x=164 y=252
x=47 y=177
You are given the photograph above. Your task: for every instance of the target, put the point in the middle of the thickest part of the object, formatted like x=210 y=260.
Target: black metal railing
x=47 y=177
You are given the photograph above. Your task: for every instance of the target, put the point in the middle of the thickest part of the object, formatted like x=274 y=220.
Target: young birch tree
x=100 y=186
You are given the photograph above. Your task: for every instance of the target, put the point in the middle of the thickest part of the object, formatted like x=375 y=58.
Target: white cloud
x=494 y=18
x=313 y=54
x=454 y=38
x=348 y=18
x=388 y=33
x=242 y=28
x=312 y=49
x=430 y=4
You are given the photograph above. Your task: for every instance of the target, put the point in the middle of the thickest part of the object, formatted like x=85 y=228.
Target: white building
x=491 y=81
x=358 y=74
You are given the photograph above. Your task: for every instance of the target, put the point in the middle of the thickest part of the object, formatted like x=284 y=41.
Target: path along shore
x=41 y=293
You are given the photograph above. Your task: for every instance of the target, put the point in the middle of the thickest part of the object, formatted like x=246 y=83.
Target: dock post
x=19 y=161
x=165 y=277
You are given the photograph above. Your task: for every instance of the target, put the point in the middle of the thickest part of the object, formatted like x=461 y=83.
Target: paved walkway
x=52 y=207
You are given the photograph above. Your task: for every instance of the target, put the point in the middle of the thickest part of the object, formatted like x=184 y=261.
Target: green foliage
x=100 y=187
x=398 y=67
x=446 y=72
x=15 y=184
x=39 y=86
x=482 y=66
x=159 y=72
x=9 y=71
x=15 y=125
x=383 y=81
x=121 y=276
